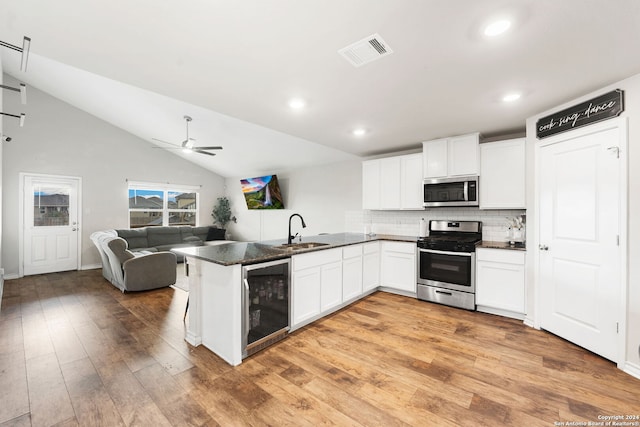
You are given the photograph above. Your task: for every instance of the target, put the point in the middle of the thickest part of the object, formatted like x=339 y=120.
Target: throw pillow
x=216 y=233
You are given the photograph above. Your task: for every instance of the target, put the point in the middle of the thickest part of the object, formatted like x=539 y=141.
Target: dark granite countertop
x=255 y=252
x=502 y=245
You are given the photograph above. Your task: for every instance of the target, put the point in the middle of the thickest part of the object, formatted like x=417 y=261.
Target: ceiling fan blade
x=165 y=142
x=214 y=147
x=204 y=152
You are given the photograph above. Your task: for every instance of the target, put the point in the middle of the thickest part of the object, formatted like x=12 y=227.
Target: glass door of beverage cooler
x=266 y=305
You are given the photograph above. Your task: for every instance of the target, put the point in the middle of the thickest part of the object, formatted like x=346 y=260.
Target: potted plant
x=222 y=212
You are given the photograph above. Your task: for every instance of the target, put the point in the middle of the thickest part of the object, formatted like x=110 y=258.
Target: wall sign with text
x=603 y=107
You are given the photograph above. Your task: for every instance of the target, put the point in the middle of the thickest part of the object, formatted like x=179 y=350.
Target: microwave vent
x=365 y=50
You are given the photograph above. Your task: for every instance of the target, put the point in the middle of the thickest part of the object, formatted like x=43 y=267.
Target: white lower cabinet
x=351 y=272
x=500 y=282
x=305 y=298
x=370 y=266
x=399 y=266
x=316 y=284
x=326 y=280
x=330 y=285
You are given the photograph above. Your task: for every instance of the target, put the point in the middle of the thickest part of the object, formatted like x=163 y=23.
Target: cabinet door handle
x=543 y=247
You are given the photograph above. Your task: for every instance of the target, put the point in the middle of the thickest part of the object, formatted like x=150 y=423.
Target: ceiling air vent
x=366 y=50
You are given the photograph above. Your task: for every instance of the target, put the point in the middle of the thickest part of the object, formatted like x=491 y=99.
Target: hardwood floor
x=76 y=351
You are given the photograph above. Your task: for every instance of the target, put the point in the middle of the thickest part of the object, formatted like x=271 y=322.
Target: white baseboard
x=82 y=268
x=398 y=292
x=499 y=312
x=632 y=369
x=529 y=322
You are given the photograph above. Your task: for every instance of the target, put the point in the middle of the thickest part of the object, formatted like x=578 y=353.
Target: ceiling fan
x=187 y=144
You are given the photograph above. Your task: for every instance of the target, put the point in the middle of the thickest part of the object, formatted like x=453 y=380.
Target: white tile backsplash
x=495 y=225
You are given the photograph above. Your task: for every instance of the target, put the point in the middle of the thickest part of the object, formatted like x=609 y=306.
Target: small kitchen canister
x=423 y=228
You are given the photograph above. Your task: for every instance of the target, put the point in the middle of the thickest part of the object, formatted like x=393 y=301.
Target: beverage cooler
x=265 y=317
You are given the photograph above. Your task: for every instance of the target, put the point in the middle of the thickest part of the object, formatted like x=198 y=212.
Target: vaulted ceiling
x=234 y=66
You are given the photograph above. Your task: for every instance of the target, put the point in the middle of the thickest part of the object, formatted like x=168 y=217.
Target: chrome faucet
x=290 y=237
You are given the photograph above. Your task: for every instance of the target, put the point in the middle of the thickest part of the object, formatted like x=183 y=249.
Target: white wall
x=322 y=195
x=60 y=139
x=631 y=87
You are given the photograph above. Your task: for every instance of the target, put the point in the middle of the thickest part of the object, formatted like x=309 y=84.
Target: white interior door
x=580 y=275
x=50 y=220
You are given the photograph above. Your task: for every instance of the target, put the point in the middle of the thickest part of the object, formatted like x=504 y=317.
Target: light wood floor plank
x=76 y=351
x=48 y=395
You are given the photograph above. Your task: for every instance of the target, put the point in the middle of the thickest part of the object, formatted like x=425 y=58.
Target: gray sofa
x=158 y=239
x=139 y=259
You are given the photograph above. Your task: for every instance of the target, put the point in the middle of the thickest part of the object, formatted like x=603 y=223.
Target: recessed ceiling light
x=497 y=27
x=510 y=97
x=359 y=131
x=297 y=103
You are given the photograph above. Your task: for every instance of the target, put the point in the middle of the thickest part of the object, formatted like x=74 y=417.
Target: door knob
x=543 y=247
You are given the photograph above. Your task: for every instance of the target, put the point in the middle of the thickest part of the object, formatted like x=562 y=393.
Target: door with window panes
x=51 y=226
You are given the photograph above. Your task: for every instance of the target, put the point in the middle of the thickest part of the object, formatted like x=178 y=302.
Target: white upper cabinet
x=371 y=184
x=411 y=192
x=392 y=182
x=435 y=158
x=455 y=156
x=502 y=170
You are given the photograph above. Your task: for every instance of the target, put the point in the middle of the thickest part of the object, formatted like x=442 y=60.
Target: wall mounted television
x=262 y=192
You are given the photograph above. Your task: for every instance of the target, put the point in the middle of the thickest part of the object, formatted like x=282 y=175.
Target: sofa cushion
x=191 y=239
x=119 y=248
x=200 y=232
x=136 y=238
x=159 y=236
x=186 y=231
x=215 y=233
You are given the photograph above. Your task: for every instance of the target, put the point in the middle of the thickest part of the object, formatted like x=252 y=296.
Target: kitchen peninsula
x=218 y=299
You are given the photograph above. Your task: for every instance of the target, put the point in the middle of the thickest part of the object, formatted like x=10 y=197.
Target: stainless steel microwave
x=448 y=192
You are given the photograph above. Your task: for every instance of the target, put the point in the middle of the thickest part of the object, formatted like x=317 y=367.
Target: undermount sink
x=299 y=246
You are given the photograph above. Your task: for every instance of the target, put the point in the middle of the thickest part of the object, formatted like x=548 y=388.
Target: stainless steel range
x=447 y=263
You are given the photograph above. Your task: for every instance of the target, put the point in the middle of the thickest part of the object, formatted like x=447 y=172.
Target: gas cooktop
x=454 y=236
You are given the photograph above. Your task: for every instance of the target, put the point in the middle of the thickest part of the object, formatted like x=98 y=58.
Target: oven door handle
x=431 y=251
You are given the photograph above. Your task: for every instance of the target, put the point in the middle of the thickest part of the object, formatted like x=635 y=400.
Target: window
x=50 y=206
x=161 y=205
